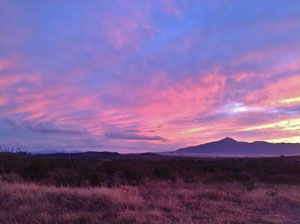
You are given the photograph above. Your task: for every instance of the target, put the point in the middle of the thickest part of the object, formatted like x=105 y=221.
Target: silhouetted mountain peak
x=230 y=146
x=227 y=139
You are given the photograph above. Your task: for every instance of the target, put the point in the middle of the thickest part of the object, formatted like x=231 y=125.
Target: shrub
x=37 y=170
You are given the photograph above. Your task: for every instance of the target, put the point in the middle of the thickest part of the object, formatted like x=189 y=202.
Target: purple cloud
x=131 y=136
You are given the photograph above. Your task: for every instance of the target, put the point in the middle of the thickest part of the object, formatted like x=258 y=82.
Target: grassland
x=153 y=202
x=210 y=191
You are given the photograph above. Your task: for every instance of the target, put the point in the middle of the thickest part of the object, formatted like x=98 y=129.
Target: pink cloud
x=5 y=64
x=275 y=92
x=128 y=30
x=173 y=7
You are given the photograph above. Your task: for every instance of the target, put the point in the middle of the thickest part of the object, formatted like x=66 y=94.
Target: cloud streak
x=131 y=136
x=51 y=128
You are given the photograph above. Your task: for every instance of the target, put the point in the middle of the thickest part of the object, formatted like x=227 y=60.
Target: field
x=231 y=191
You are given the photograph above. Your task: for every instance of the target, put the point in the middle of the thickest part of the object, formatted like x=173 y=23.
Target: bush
x=163 y=173
x=37 y=170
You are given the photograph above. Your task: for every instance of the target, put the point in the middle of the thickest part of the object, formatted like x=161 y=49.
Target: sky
x=155 y=75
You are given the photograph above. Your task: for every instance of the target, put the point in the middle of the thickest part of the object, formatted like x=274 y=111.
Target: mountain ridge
x=231 y=146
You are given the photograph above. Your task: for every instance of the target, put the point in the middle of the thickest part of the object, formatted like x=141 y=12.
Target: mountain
x=80 y=155
x=99 y=155
x=229 y=146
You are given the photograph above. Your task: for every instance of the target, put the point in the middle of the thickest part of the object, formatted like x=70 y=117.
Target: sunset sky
x=148 y=75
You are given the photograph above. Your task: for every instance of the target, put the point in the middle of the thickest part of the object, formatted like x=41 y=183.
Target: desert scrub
x=152 y=202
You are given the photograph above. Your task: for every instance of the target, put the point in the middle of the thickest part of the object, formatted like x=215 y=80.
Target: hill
x=99 y=155
x=231 y=147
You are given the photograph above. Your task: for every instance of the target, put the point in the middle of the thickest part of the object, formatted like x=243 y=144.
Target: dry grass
x=154 y=202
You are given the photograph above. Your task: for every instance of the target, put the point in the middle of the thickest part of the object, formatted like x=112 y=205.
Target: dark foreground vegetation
x=166 y=190
x=88 y=172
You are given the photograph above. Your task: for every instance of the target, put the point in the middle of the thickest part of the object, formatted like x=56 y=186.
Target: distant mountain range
x=226 y=147
x=230 y=147
x=99 y=155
